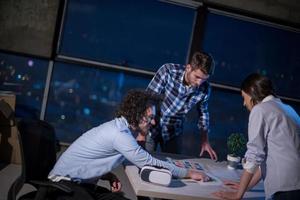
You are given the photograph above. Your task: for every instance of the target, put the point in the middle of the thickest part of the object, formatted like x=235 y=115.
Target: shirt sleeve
x=257 y=131
x=128 y=147
x=158 y=82
x=202 y=107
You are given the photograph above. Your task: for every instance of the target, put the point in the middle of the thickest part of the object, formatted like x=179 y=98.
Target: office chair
x=37 y=144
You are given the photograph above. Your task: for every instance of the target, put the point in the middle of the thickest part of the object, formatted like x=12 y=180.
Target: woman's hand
x=227 y=195
x=232 y=184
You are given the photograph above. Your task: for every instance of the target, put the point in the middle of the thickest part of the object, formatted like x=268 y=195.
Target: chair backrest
x=39 y=150
x=38 y=153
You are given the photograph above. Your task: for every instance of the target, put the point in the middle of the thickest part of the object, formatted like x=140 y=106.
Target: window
x=85 y=97
x=227 y=115
x=26 y=77
x=139 y=34
x=241 y=47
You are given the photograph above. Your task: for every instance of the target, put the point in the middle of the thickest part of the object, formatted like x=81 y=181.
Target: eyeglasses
x=148 y=119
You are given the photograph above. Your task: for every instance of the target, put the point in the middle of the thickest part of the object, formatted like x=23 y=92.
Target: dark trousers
x=85 y=191
x=170 y=146
x=173 y=145
x=288 y=195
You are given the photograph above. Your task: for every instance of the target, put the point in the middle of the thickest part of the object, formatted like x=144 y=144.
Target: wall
x=287 y=10
x=28 y=26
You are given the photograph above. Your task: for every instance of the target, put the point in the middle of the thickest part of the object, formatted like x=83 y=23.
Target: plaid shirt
x=178 y=100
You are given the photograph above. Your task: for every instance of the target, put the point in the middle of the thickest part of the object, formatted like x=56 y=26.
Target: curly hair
x=135 y=104
x=258 y=87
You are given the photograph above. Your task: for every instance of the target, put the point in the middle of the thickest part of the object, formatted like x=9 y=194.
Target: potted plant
x=236 y=144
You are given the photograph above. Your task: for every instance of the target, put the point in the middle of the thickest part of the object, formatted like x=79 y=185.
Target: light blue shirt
x=102 y=149
x=274 y=144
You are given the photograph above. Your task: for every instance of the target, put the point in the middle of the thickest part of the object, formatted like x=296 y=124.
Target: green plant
x=236 y=144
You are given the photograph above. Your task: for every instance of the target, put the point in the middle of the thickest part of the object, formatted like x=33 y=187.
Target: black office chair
x=38 y=152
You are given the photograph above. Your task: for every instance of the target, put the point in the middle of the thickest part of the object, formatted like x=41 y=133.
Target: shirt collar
x=122 y=123
x=268 y=98
x=183 y=81
x=189 y=88
x=182 y=76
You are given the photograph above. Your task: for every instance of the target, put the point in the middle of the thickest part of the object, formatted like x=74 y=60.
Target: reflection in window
x=294 y=105
x=26 y=77
x=242 y=47
x=140 y=34
x=227 y=115
x=82 y=97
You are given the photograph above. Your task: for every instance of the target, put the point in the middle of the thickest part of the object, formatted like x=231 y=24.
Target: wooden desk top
x=190 y=190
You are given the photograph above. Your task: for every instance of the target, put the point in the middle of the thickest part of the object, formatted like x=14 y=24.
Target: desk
x=189 y=190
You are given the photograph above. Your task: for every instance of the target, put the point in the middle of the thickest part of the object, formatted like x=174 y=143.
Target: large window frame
x=260 y=22
x=195 y=40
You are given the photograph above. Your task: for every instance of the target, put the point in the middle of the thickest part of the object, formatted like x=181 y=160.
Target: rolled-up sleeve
x=202 y=107
x=257 y=131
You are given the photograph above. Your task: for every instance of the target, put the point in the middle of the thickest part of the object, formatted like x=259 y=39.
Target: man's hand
x=114 y=182
x=227 y=195
x=205 y=146
x=115 y=185
x=197 y=175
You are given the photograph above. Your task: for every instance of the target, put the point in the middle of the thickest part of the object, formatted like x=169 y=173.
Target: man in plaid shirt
x=182 y=87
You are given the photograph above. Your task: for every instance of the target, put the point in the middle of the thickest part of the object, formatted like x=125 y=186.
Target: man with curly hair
x=103 y=148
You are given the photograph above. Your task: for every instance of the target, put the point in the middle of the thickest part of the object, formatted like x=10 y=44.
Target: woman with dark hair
x=273 y=149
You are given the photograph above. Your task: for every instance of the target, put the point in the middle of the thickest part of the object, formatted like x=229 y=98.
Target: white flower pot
x=233 y=161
